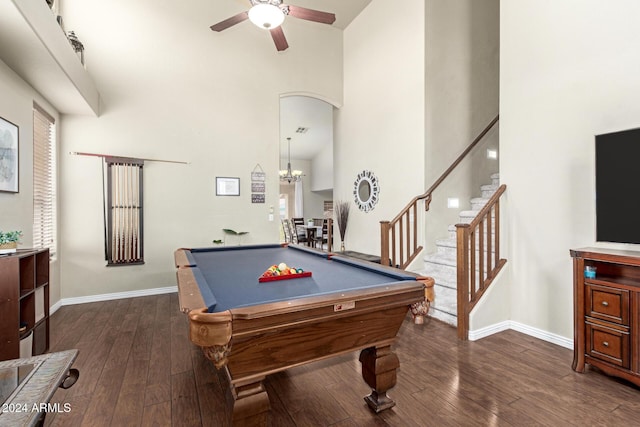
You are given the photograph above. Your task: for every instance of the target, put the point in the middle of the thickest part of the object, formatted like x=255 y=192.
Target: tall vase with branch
x=342 y=217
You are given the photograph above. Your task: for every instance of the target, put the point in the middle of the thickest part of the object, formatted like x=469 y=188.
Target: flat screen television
x=618 y=187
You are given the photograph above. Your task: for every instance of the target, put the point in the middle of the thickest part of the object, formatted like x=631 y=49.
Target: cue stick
x=130 y=212
x=79 y=153
x=116 y=225
x=114 y=213
x=123 y=208
x=132 y=224
x=127 y=211
x=120 y=215
x=132 y=234
x=104 y=216
x=127 y=254
x=137 y=212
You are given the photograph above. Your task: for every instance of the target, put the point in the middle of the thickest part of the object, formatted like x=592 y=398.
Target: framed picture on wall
x=227 y=186
x=9 y=172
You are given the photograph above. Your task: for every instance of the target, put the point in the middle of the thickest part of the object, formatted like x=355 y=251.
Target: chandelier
x=288 y=174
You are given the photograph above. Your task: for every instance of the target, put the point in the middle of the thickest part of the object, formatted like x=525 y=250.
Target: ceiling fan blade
x=279 y=39
x=230 y=22
x=312 y=15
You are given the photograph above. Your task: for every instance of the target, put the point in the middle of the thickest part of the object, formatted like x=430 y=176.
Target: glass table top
x=11 y=378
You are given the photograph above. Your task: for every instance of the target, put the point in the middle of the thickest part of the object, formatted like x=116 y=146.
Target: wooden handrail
x=462 y=155
x=477 y=264
x=405 y=239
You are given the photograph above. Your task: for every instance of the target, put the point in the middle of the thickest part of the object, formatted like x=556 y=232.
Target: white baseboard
x=108 y=297
x=489 y=330
x=525 y=329
x=55 y=307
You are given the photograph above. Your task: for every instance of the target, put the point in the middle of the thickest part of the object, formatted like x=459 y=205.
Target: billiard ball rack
x=284 y=277
x=262 y=279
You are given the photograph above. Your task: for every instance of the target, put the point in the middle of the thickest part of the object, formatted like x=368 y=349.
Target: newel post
x=462 y=242
x=384 y=243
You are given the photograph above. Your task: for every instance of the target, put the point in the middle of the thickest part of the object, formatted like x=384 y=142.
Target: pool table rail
x=189 y=295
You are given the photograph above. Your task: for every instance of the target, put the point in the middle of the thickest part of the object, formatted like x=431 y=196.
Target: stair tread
x=442 y=259
x=480 y=200
x=487 y=187
x=452 y=242
x=441 y=265
x=443 y=316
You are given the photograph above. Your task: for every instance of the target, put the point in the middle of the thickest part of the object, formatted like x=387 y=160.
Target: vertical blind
x=123 y=211
x=44 y=180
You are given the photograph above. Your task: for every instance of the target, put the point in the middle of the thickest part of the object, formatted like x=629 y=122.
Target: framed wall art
x=227 y=186
x=9 y=145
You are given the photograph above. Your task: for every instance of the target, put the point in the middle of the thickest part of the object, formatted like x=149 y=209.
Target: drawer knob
x=605 y=343
x=605 y=303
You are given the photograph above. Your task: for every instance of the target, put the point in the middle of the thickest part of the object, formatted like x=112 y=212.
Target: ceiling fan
x=269 y=14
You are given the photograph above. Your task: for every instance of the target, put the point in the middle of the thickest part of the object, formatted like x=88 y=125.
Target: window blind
x=44 y=180
x=328 y=208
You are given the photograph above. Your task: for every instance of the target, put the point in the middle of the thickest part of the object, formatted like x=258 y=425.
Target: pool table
x=253 y=329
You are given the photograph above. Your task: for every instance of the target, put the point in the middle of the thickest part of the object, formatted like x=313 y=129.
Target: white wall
x=569 y=70
x=16 y=106
x=461 y=82
x=173 y=89
x=382 y=119
x=16 y=209
x=322 y=166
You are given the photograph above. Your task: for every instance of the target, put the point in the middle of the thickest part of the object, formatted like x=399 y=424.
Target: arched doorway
x=306 y=156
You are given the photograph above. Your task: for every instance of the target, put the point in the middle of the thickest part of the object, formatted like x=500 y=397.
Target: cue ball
x=282 y=266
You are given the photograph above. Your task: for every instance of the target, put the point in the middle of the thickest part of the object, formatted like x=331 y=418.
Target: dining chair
x=292 y=232
x=301 y=235
x=322 y=237
x=286 y=230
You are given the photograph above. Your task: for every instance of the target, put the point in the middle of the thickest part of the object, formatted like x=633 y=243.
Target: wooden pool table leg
x=250 y=404
x=379 y=366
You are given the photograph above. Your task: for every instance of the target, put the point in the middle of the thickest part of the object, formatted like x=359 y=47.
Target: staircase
x=441 y=265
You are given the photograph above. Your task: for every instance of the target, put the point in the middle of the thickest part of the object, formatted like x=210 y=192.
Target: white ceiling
x=310 y=113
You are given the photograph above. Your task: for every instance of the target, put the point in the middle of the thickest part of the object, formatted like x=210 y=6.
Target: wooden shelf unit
x=24 y=300
x=607 y=312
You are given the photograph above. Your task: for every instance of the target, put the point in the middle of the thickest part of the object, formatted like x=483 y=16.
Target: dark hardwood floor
x=138 y=368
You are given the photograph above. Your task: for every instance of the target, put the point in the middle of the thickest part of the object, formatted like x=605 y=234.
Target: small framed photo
x=227 y=186
x=9 y=145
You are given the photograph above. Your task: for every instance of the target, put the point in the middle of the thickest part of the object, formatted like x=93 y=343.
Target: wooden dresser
x=606 y=319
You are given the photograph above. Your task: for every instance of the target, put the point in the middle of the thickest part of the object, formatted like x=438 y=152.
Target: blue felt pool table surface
x=228 y=276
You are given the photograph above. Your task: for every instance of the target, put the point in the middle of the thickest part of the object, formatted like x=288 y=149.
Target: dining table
x=311 y=233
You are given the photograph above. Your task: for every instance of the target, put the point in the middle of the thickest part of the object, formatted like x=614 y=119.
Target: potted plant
x=9 y=241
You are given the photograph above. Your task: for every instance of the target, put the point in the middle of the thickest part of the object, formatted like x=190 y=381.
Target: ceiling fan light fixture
x=266 y=16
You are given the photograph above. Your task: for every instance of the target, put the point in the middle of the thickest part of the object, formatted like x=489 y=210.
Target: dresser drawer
x=606 y=303
x=608 y=344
